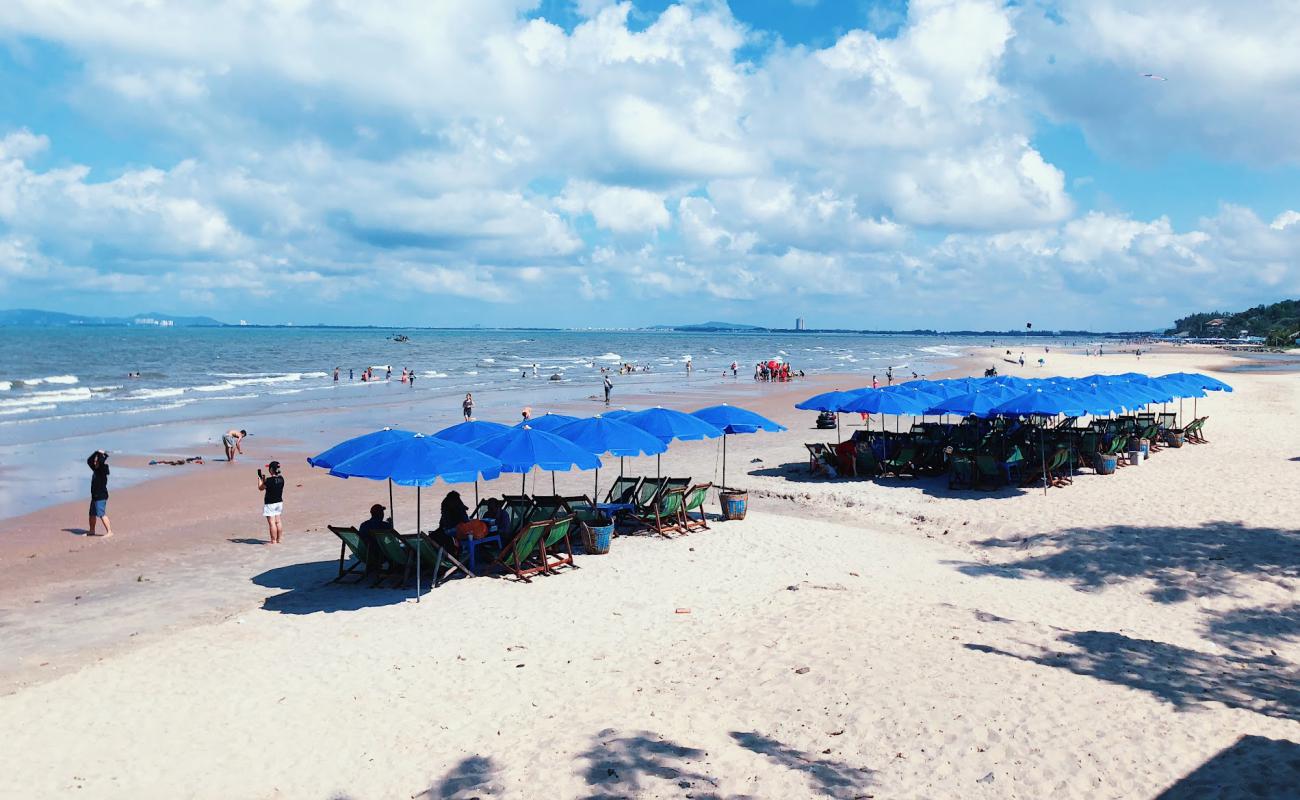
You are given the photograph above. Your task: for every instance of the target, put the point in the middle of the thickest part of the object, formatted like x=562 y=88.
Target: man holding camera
x=98 y=463
x=272 y=487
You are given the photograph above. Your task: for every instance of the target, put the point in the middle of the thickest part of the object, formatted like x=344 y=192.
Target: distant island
x=34 y=318
x=732 y=327
x=1277 y=324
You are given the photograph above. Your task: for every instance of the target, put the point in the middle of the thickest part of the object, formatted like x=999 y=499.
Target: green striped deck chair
x=664 y=516
x=350 y=540
x=694 y=500
x=520 y=555
x=556 y=547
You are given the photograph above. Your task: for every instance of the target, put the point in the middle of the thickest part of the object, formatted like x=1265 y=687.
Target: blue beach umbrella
x=978 y=404
x=359 y=444
x=522 y=449
x=472 y=431
x=600 y=435
x=617 y=413
x=547 y=422
x=469 y=432
x=1042 y=402
x=732 y=419
x=830 y=401
x=420 y=461
x=667 y=424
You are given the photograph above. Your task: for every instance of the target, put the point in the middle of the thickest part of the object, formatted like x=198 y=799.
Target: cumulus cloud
x=473 y=149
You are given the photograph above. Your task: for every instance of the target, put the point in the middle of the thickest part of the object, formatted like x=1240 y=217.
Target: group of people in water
x=368 y=375
x=772 y=371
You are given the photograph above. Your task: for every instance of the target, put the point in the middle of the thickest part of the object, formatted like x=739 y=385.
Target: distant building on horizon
x=799 y=324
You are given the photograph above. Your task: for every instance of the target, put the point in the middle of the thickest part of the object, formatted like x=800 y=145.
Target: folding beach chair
x=693 y=500
x=350 y=540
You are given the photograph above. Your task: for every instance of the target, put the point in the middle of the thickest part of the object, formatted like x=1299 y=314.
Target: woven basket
x=596 y=538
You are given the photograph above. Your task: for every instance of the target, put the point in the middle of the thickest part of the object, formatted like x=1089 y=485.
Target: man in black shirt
x=272 y=487
x=98 y=463
x=367 y=531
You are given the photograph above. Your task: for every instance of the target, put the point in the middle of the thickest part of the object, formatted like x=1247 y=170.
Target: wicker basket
x=596 y=538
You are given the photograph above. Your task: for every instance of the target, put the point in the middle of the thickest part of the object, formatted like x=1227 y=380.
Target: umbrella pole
x=417 y=549
x=724 y=461
x=658 y=472
x=476 y=493
x=837 y=427
x=620 y=466
x=595 y=490
x=523 y=484
x=552 y=482
x=1042 y=456
x=391 y=513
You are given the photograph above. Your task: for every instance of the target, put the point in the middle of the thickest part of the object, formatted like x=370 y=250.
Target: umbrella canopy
x=667 y=424
x=978 y=404
x=1201 y=381
x=347 y=449
x=733 y=419
x=730 y=419
x=1045 y=401
x=878 y=401
x=471 y=431
x=419 y=460
x=827 y=401
x=547 y=422
x=521 y=449
x=600 y=435
x=616 y=413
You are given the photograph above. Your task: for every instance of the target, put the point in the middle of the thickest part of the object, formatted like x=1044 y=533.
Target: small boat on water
x=401 y=337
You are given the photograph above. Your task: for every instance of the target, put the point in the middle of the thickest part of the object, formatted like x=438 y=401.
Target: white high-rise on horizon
x=799 y=324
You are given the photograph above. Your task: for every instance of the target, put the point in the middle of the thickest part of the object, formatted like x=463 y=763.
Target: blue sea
x=67 y=391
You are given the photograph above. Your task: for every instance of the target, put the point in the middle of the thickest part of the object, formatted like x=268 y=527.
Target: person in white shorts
x=272 y=487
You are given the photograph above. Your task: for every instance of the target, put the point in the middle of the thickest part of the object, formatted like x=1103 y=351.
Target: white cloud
x=616 y=208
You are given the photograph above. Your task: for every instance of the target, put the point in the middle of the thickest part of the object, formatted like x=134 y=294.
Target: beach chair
x=395 y=553
x=676 y=483
x=517 y=507
x=521 y=555
x=900 y=464
x=648 y=493
x=865 y=463
x=1193 y=432
x=664 y=516
x=961 y=472
x=693 y=500
x=623 y=490
x=350 y=540
x=556 y=546
x=988 y=471
x=547 y=507
x=583 y=508
x=821 y=459
x=431 y=558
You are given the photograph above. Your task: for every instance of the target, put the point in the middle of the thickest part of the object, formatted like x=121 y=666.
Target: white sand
x=1104 y=641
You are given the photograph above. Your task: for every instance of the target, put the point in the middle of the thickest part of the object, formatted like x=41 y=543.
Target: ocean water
x=65 y=392
x=64 y=381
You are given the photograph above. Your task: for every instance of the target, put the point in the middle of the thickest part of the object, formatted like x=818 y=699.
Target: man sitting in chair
x=367 y=530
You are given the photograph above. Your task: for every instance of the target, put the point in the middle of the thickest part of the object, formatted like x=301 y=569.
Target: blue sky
x=939 y=163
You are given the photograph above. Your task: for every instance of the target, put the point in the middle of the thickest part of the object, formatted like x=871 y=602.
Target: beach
x=1126 y=636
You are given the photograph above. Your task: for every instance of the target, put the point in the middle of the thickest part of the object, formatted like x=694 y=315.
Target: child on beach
x=272 y=488
x=468 y=406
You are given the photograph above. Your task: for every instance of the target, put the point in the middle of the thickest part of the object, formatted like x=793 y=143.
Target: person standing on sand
x=233 y=442
x=468 y=406
x=272 y=488
x=98 y=463
x=609 y=385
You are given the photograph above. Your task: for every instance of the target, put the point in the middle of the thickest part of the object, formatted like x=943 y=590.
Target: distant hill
x=35 y=318
x=1277 y=323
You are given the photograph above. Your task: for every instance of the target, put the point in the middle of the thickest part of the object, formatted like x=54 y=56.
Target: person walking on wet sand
x=609 y=385
x=468 y=406
x=233 y=441
x=272 y=488
x=98 y=463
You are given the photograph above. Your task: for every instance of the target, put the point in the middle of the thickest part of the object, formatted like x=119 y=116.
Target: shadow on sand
x=827 y=777
x=309 y=590
x=619 y=763
x=474 y=776
x=1185 y=678
x=932 y=486
x=1241 y=629
x=1254 y=767
x=1183 y=562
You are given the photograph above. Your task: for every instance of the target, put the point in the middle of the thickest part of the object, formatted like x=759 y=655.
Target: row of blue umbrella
x=1013 y=396
x=480 y=449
